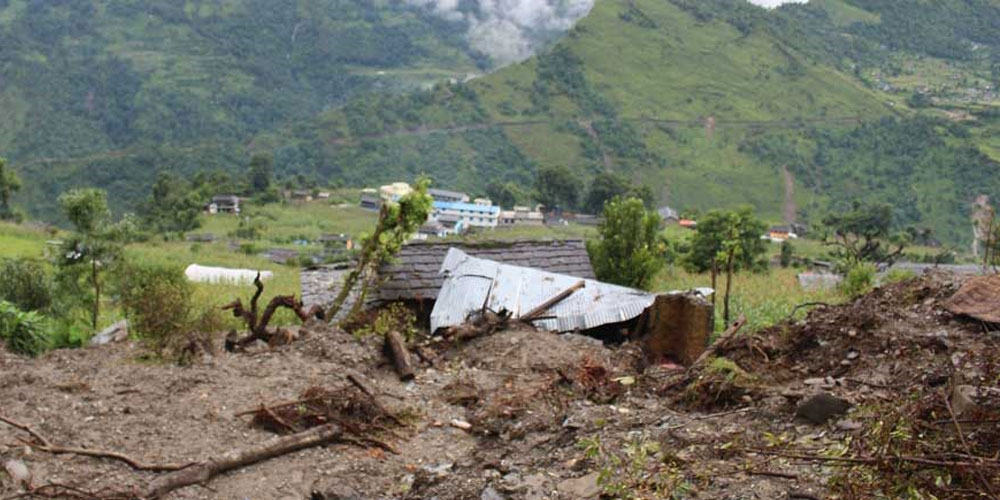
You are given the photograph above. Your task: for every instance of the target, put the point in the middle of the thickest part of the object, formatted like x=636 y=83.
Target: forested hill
x=707 y=102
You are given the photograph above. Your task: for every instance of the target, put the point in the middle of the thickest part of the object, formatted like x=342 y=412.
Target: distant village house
x=224 y=204
x=522 y=216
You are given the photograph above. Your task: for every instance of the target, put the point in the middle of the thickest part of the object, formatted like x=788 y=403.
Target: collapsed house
x=444 y=283
x=414 y=276
x=672 y=327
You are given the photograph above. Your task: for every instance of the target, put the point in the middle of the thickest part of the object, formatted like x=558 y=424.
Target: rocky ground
x=856 y=401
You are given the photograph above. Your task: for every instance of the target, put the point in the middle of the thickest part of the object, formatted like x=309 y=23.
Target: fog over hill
x=509 y=30
x=775 y=3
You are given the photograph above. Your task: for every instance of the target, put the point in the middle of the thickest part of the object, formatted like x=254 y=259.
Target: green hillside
x=708 y=102
x=634 y=88
x=107 y=92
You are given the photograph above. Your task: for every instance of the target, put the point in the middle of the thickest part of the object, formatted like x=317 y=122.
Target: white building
x=522 y=216
x=481 y=213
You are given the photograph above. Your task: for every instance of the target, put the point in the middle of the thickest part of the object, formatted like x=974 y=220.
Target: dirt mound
x=889 y=396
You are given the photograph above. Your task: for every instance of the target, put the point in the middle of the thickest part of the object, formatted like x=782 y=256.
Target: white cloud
x=510 y=30
x=770 y=4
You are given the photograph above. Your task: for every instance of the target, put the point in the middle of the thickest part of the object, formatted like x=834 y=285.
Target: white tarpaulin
x=470 y=282
x=223 y=275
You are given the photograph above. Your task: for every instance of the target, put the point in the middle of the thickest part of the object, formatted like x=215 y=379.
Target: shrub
x=157 y=301
x=23 y=332
x=26 y=283
x=859 y=280
x=396 y=317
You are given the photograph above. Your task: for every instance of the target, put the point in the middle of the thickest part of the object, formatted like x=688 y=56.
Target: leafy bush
x=859 y=280
x=24 y=332
x=26 y=283
x=157 y=301
x=630 y=251
x=396 y=317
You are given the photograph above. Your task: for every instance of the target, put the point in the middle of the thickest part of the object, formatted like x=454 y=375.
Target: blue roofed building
x=481 y=213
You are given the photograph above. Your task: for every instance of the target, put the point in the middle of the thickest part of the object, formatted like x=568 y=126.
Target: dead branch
x=41 y=443
x=931 y=462
x=803 y=306
x=732 y=330
x=207 y=470
x=549 y=304
x=257 y=325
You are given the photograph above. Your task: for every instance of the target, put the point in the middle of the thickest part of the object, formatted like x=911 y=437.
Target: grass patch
x=765 y=298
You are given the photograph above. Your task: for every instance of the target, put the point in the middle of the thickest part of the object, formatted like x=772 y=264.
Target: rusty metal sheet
x=979 y=298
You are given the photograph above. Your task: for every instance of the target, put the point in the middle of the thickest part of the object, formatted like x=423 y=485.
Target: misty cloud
x=770 y=4
x=509 y=30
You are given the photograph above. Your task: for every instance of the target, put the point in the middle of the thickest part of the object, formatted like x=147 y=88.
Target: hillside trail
x=524 y=414
x=789 y=209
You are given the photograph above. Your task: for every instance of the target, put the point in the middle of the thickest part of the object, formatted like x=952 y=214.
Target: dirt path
x=789 y=209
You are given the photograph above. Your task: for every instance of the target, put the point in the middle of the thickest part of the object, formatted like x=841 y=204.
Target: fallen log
x=396 y=347
x=205 y=471
x=726 y=335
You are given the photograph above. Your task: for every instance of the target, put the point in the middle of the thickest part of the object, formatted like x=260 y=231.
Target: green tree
x=787 y=253
x=9 y=185
x=261 y=172
x=98 y=242
x=607 y=186
x=714 y=228
x=557 y=187
x=863 y=234
x=727 y=240
x=629 y=251
x=173 y=206
x=397 y=223
x=505 y=194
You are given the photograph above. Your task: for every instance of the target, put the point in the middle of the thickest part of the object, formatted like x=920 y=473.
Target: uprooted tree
x=397 y=222
x=257 y=323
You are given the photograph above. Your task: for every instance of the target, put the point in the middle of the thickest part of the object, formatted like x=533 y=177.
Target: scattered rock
x=491 y=494
x=962 y=399
x=461 y=424
x=114 y=333
x=581 y=487
x=820 y=408
x=19 y=473
x=849 y=425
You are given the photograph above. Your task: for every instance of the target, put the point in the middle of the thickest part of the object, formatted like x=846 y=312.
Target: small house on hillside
x=668 y=214
x=778 y=234
x=301 y=195
x=448 y=196
x=370 y=200
x=521 y=216
x=688 y=223
x=224 y=204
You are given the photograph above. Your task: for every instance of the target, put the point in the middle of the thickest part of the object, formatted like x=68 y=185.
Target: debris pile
x=893 y=395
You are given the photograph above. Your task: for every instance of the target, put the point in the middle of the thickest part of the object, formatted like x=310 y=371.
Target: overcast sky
x=774 y=3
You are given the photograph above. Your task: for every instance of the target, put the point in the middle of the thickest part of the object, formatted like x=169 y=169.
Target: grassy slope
x=681 y=69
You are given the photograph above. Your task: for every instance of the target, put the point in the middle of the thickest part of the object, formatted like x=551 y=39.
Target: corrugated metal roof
x=470 y=282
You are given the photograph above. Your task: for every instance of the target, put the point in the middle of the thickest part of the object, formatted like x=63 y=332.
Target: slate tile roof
x=414 y=273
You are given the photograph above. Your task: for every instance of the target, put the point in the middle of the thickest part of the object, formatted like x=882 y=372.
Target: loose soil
x=548 y=415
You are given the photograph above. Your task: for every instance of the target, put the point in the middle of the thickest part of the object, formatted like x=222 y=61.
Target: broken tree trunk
x=549 y=304
x=257 y=325
x=201 y=473
x=726 y=335
x=396 y=347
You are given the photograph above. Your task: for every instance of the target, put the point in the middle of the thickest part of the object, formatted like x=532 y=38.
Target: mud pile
x=888 y=395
